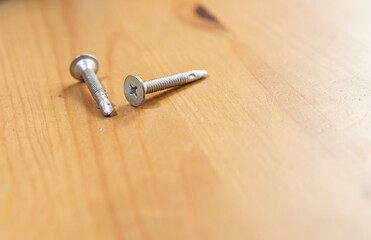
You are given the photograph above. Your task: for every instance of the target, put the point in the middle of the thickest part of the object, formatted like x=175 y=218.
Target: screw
x=83 y=67
x=135 y=89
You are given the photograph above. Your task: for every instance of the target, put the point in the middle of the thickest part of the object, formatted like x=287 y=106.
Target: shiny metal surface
x=83 y=67
x=135 y=89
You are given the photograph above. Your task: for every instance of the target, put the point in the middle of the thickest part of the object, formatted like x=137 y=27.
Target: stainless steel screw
x=83 y=67
x=135 y=89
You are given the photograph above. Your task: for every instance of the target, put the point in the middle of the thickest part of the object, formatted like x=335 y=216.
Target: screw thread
x=97 y=91
x=91 y=81
x=162 y=83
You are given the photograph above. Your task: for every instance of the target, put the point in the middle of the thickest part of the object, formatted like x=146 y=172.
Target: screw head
x=81 y=62
x=134 y=90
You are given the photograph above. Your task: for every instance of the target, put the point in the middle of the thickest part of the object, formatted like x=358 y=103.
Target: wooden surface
x=275 y=144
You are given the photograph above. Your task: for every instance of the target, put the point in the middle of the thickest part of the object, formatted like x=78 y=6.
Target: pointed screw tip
x=202 y=73
x=106 y=108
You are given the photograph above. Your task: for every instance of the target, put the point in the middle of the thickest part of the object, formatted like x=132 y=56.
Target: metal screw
x=135 y=89
x=83 y=67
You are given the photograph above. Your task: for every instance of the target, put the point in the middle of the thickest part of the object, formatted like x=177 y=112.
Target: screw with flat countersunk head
x=83 y=67
x=135 y=89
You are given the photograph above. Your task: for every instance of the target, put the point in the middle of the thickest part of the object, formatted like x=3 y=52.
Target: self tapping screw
x=135 y=89
x=84 y=67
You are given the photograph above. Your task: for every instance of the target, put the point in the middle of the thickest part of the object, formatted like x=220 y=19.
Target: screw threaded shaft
x=97 y=91
x=91 y=81
x=162 y=83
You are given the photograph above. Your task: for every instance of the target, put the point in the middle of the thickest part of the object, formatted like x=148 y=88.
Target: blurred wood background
x=275 y=144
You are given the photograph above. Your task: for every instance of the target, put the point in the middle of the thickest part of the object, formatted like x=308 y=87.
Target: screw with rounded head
x=84 y=67
x=135 y=89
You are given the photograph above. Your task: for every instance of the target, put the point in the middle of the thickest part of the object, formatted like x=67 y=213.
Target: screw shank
x=178 y=79
x=97 y=91
x=92 y=81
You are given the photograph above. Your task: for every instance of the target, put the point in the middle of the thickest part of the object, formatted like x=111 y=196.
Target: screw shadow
x=80 y=95
x=128 y=113
x=154 y=101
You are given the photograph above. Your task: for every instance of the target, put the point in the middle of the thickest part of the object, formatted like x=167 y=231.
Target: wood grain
x=275 y=144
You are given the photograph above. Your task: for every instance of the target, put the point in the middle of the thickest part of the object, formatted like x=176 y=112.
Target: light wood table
x=274 y=144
